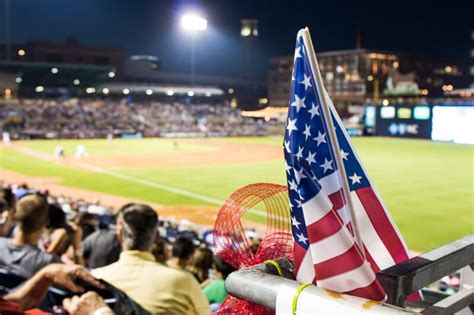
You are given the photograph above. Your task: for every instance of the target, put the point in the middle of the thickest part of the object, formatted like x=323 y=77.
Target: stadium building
x=42 y=68
x=354 y=76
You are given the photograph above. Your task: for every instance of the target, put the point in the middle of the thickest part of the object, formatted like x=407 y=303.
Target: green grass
x=427 y=186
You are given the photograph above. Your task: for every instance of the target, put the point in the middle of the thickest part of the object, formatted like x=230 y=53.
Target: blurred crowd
x=71 y=254
x=99 y=118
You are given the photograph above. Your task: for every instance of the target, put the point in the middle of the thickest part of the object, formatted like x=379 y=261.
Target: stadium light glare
x=18 y=80
x=126 y=91
x=193 y=23
x=39 y=89
x=149 y=92
x=385 y=102
x=54 y=70
x=90 y=90
x=105 y=91
x=111 y=74
x=208 y=94
x=230 y=91
x=21 y=52
x=170 y=93
x=76 y=82
x=190 y=93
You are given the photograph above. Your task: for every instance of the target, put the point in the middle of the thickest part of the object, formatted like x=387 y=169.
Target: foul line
x=145 y=182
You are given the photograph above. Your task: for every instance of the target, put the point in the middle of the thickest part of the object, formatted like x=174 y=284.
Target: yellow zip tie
x=276 y=265
x=297 y=295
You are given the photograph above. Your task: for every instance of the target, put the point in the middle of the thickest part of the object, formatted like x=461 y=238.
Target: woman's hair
x=57 y=217
x=8 y=196
x=201 y=264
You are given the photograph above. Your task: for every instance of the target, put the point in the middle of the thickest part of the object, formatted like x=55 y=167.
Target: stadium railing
x=260 y=284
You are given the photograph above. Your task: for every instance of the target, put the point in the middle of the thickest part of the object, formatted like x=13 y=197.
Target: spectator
x=215 y=290
x=161 y=251
x=21 y=191
x=58 y=232
x=101 y=248
x=7 y=211
x=63 y=237
x=157 y=288
x=87 y=222
x=182 y=253
x=202 y=262
x=21 y=254
x=30 y=294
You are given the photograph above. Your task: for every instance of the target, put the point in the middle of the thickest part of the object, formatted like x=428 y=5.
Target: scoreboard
x=436 y=121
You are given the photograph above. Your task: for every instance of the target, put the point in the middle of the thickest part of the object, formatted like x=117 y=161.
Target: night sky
x=152 y=27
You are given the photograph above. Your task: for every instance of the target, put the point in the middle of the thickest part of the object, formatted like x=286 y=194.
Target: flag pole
x=332 y=135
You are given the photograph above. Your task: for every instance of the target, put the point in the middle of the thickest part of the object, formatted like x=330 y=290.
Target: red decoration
x=268 y=202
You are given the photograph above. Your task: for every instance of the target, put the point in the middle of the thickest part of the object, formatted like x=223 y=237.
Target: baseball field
x=427 y=186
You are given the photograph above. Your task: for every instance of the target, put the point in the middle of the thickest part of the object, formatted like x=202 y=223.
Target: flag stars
x=299 y=175
x=299 y=154
x=287 y=146
x=291 y=126
x=355 y=179
x=327 y=165
x=288 y=168
x=314 y=110
x=306 y=82
x=344 y=155
x=295 y=222
x=299 y=204
x=321 y=138
x=298 y=103
x=293 y=185
x=302 y=238
x=311 y=158
x=307 y=132
x=298 y=53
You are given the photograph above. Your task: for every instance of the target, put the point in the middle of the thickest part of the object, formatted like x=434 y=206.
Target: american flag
x=325 y=250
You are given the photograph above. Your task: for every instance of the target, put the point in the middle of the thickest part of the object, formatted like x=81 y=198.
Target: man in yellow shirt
x=157 y=288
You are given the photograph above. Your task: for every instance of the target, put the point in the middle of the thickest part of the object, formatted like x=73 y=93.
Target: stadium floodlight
x=18 y=80
x=111 y=74
x=190 y=93
x=105 y=91
x=126 y=91
x=149 y=92
x=39 y=88
x=170 y=92
x=77 y=81
x=54 y=70
x=193 y=23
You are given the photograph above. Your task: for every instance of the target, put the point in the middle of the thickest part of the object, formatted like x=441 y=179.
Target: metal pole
x=332 y=135
x=193 y=57
x=258 y=285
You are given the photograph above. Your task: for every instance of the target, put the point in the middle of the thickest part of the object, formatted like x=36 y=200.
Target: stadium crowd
x=61 y=254
x=97 y=118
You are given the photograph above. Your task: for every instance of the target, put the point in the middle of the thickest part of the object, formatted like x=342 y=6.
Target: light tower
x=193 y=24
x=249 y=33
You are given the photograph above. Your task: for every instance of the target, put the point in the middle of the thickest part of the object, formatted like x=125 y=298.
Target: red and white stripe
x=338 y=264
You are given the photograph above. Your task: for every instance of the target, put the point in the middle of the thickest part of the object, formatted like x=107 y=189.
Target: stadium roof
x=35 y=73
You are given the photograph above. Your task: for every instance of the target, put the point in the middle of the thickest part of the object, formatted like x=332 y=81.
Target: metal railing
x=260 y=284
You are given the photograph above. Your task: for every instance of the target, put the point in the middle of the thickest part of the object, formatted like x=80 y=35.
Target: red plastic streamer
x=263 y=202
